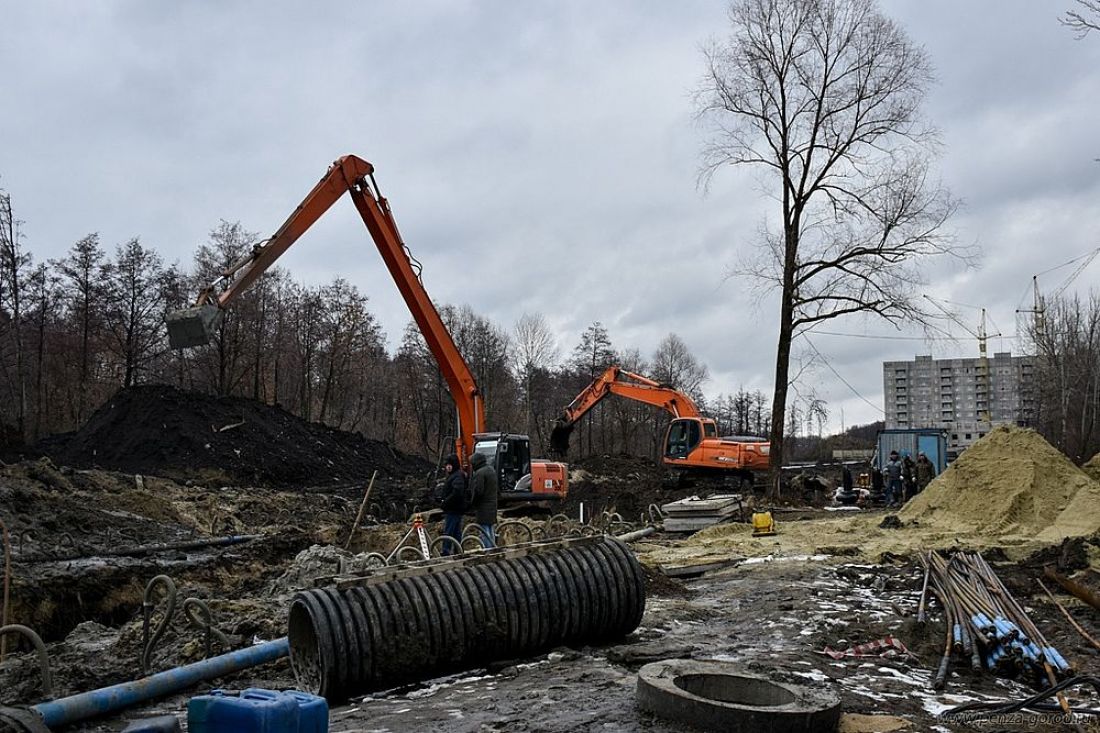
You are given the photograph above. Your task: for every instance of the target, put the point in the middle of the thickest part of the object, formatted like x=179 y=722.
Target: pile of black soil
x=163 y=431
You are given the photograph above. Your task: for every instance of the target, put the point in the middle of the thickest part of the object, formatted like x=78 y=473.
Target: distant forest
x=75 y=330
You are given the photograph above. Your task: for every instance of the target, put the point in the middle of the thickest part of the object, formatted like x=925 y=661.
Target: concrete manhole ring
x=720 y=696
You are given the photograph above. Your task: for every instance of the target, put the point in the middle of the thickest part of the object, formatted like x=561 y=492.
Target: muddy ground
x=770 y=612
x=771 y=617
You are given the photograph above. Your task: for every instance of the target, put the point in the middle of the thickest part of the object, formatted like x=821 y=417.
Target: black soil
x=163 y=431
x=624 y=484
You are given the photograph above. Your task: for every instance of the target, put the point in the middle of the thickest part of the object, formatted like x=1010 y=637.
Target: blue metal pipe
x=111 y=699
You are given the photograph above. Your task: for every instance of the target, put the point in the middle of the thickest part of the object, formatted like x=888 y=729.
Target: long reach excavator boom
x=352 y=175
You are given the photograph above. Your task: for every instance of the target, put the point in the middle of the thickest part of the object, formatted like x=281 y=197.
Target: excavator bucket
x=559 y=439
x=192 y=327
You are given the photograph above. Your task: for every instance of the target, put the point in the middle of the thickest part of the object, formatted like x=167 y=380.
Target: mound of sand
x=1011 y=482
x=1092 y=467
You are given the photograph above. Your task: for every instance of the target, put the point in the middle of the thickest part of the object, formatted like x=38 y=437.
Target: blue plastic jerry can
x=257 y=710
x=312 y=711
x=222 y=713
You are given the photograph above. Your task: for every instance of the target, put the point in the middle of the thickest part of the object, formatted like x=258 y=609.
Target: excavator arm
x=618 y=381
x=194 y=326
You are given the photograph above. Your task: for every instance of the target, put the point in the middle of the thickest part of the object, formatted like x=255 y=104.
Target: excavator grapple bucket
x=559 y=439
x=192 y=327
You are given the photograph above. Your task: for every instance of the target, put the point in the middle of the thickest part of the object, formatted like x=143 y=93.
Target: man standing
x=483 y=488
x=892 y=474
x=925 y=472
x=909 y=476
x=453 y=503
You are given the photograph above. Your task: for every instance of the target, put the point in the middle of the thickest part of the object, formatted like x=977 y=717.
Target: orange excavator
x=520 y=477
x=692 y=447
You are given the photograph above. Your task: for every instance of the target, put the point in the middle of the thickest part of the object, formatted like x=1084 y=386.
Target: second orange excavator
x=692 y=447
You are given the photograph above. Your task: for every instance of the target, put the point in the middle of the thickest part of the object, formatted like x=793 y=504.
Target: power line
x=842 y=379
x=908 y=338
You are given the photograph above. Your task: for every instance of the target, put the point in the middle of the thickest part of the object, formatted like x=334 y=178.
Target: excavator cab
x=683 y=436
x=518 y=477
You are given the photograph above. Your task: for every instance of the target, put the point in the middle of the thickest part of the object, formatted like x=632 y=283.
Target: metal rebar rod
x=362 y=507
x=939 y=681
x=7 y=589
x=1069 y=618
x=39 y=648
x=922 y=608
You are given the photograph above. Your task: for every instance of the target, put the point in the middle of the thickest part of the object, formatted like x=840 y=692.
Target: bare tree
x=675 y=365
x=14 y=265
x=1084 y=20
x=226 y=355
x=1067 y=342
x=824 y=96
x=534 y=356
x=591 y=356
x=84 y=295
x=43 y=296
x=134 y=308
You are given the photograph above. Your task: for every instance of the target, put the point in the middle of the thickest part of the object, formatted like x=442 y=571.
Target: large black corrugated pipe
x=374 y=636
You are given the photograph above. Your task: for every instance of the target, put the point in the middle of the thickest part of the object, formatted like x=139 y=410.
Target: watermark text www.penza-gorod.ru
x=1025 y=720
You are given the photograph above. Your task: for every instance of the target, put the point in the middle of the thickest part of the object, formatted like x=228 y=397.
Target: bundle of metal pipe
x=985 y=624
x=402 y=626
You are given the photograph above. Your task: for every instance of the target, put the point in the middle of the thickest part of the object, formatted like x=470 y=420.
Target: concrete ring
x=719 y=696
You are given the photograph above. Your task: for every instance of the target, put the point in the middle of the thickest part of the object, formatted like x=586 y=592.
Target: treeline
x=76 y=329
x=1066 y=337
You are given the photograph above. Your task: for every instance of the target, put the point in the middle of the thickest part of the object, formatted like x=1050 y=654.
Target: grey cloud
x=539 y=156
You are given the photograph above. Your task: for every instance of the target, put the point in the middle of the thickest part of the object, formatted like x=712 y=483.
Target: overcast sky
x=539 y=157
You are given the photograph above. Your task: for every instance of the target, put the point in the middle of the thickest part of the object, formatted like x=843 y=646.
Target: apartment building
x=963 y=397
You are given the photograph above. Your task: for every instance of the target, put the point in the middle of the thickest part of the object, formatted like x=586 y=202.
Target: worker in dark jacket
x=926 y=471
x=483 y=489
x=453 y=503
x=909 y=476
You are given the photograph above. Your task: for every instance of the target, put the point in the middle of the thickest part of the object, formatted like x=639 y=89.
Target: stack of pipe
x=985 y=624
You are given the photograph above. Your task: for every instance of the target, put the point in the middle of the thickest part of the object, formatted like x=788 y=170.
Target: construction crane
x=982 y=378
x=1038 y=310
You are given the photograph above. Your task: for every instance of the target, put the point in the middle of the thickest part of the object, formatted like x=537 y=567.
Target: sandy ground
x=844 y=533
